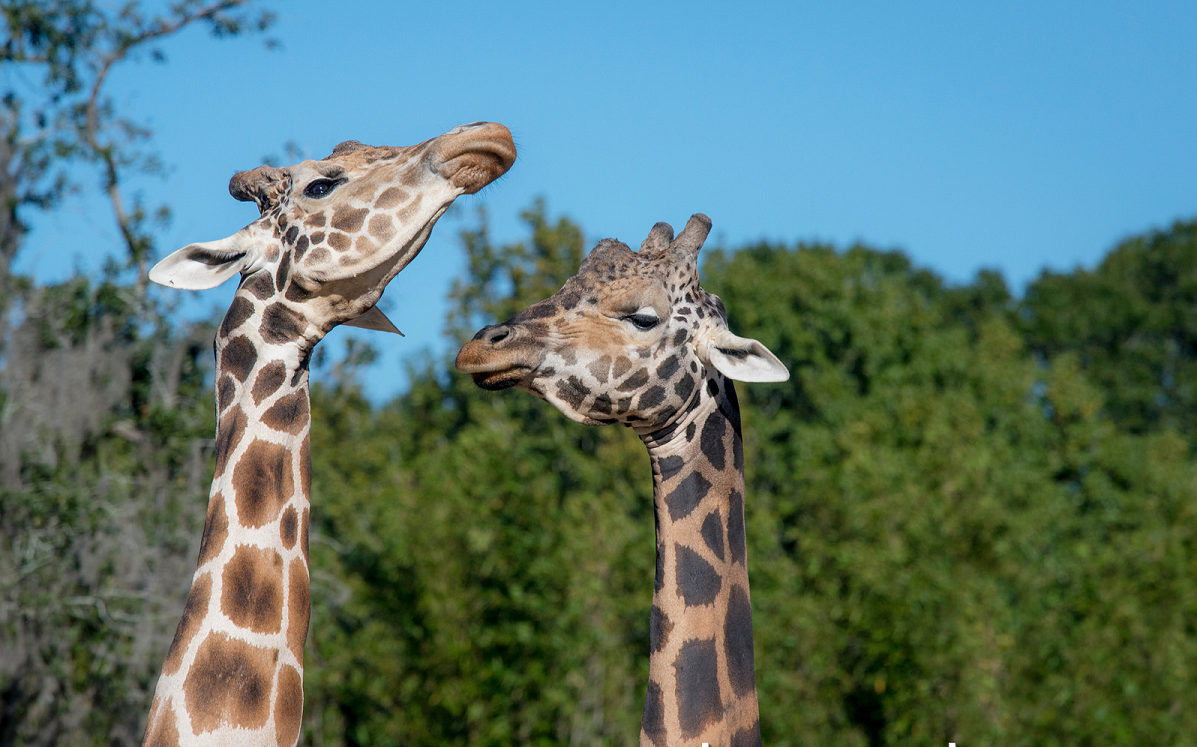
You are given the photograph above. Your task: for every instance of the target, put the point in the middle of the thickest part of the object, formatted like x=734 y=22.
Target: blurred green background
x=971 y=513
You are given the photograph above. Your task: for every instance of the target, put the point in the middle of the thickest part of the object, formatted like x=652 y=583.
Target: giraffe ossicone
x=633 y=339
x=331 y=235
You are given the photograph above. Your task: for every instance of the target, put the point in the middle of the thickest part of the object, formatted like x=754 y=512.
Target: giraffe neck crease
x=702 y=684
x=249 y=604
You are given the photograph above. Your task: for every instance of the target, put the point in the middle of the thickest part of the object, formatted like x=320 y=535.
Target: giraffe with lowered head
x=633 y=339
x=332 y=234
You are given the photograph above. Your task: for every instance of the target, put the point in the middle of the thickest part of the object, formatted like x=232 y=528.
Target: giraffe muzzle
x=492 y=362
x=474 y=155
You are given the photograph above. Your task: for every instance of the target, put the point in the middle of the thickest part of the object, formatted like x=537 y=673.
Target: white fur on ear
x=740 y=358
x=202 y=266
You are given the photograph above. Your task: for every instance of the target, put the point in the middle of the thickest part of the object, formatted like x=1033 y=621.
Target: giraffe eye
x=642 y=320
x=319 y=188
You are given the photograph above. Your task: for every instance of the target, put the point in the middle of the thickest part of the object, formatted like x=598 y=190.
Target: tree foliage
x=105 y=415
x=73 y=46
x=1130 y=321
x=970 y=515
x=104 y=455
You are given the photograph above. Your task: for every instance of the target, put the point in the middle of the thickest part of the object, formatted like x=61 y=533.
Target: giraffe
x=633 y=339
x=331 y=235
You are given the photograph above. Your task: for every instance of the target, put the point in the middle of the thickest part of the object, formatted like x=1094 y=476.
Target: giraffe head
x=333 y=233
x=631 y=338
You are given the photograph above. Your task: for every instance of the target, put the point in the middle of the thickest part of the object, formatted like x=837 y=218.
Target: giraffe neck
x=234 y=672
x=702 y=685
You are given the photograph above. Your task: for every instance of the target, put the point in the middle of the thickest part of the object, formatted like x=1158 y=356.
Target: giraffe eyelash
x=313 y=186
x=643 y=321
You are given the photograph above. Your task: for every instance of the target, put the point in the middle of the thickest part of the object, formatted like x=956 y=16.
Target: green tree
x=73 y=46
x=500 y=281
x=1130 y=321
x=105 y=417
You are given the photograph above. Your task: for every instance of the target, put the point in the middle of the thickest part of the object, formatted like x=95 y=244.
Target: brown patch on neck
x=228 y=434
x=260 y=285
x=240 y=310
x=305 y=478
x=238 y=357
x=303 y=532
x=281 y=324
x=289 y=414
x=161 y=730
x=230 y=681
x=288 y=527
x=269 y=379
x=252 y=589
x=299 y=602
x=288 y=706
x=226 y=388
x=696 y=674
x=263 y=483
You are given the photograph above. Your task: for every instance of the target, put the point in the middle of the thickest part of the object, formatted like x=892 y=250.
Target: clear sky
x=1015 y=136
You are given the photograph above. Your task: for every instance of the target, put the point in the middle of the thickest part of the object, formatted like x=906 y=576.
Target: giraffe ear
x=740 y=358
x=202 y=266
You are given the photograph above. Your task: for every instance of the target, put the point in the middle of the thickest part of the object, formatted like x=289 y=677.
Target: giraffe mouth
x=495 y=369
x=495 y=376
x=496 y=380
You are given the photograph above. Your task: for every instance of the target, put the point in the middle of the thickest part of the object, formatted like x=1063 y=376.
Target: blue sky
x=1014 y=136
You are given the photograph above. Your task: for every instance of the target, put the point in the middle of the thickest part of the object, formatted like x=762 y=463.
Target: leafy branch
x=75 y=45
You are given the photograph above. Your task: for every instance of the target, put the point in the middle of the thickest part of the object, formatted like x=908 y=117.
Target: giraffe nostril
x=493 y=334
x=498 y=334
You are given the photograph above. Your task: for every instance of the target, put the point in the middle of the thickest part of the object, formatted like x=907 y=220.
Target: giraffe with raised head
x=633 y=339
x=332 y=234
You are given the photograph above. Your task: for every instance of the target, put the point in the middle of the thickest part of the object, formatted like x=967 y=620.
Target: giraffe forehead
x=360 y=176
x=623 y=278
x=624 y=294
x=352 y=154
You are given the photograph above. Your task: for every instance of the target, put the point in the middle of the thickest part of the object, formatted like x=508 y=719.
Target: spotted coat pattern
x=627 y=340
x=316 y=258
